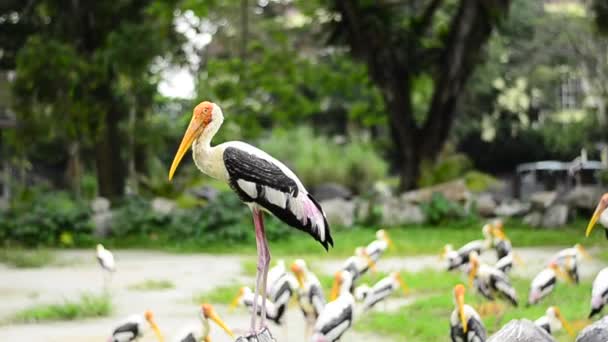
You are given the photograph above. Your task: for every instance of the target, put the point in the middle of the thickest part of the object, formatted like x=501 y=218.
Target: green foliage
x=479 y=181
x=26 y=258
x=221 y=295
x=45 y=220
x=447 y=168
x=88 y=306
x=317 y=159
x=439 y=209
x=153 y=285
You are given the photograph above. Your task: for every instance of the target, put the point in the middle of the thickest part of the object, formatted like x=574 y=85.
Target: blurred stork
x=599 y=292
x=553 y=321
x=376 y=248
x=490 y=281
x=465 y=323
x=201 y=332
x=262 y=182
x=544 y=283
x=134 y=327
x=359 y=263
x=310 y=294
x=381 y=290
x=459 y=258
x=106 y=261
x=600 y=214
x=338 y=315
x=569 y=259
x=245 y=297
x=281 y=284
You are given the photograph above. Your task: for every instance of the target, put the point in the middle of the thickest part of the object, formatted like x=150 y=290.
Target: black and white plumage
x=490 y=282
x=134 y=327
x=262 y=182
x=383 y=289
x=310 y=293
x=459 y=258
x=376 y=248
x=358 y=264
x=281 y=284
x=465 y=323
x=599 y=292
x=553 y=321
x=543 y=283
x=505 y=264
x=246 y=298
x=200 y=332
x=569 y=259
x=338 y=315
x=600 y=214
x=105 y=259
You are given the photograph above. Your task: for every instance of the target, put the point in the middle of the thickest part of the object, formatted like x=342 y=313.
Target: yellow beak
x=389 y=241
x=463 y=318
x=156 y=330
x=584 y=252
x=562 y=275
x=370 y=263
x=335 y=290
x=194 y=128
x=235 y=301
x=472 y=275
x=566 y=325
x=214 y=317
x=403 y=285
x=596 y=215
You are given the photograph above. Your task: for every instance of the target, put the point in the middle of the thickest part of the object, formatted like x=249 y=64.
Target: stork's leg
x=263 y=263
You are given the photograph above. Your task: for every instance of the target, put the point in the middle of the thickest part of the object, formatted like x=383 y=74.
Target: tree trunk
x=73 y=172
x=109 y=162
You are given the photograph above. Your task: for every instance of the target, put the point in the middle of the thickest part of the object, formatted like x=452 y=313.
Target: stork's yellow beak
x=565 y=323
x=214 y=317
x=584 y=252
x=236 y=299
x=195 y=127
x=472 y=274
x=463 y=318
x=335 y=290
x=156 y=330
x=596 y=215
x=403 y=285
x=370 y=263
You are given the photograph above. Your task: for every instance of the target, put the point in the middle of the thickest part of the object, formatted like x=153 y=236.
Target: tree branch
x=424 y=21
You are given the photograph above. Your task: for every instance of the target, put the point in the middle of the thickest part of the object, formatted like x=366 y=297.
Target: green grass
x=89 y=305
x=20 y=258
x=433 y=310
x=219 y=295
x=152 y=285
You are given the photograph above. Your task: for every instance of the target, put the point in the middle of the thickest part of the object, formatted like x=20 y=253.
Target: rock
x=163 y=206
x=584 y=197
x=397 y=212
x=455 y=191
x=102 y=224
x=555 y=216
x=543 y=199
x=206 y=192
x=100 y=205
x=328 y=191
x=596 y=332
x=521 y=330
x=512 y=208
x=362 y=209
x=485 y=204
x=533 y=219
x=339 y=211
x=382 y=190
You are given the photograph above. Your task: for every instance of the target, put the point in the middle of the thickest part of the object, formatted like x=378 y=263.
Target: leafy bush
x=479 y=181
x=449 y=166
x=89 y=305
x=439 y=209
x=317 y=159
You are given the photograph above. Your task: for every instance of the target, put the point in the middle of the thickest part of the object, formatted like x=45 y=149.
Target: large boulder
x=328 y=191
x=512 y=208
x=485 y=204
x=533 y=219
x=584 y=197
x=163 y=206
x=397 y=212
x=100 y=205
x=102 y=223
x=555 y=216
x=596 y=332
x=521 y=330
x=339 y=211
x=455 y=191
x=543 y=199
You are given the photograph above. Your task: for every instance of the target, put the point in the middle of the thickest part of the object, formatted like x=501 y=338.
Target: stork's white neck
x=209 y=159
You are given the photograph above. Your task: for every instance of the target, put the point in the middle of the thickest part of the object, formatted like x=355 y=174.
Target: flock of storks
x=268 y=186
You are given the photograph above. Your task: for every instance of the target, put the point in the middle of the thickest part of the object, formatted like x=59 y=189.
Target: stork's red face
x=201 y=117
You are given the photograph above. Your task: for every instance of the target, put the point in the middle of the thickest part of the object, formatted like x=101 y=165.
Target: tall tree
x=402 y=42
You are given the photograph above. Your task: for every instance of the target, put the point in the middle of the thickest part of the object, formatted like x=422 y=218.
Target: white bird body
x=361 y=292
x=357 y=264
x=338 y=315
x=134 y=327
x=200 y=332
x=553 y=321
x=376 y=248
x=382 y=290
x=281 y=285
x=105 y=259
x=569 y=259
x=542 y=285
x=599 y=292
x=490 y=281
x=505 y=263
x=476 y=332
x=458 y=258
x=310 y=294
x=274 y=312
x=503 y=248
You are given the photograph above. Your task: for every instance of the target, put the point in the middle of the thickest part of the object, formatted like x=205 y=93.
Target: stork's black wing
x=127 y=328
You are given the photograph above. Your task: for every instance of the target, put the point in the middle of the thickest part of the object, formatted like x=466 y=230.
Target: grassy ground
x=89 y=305
x=152 y=285
x=20 y=258
x=434 y=310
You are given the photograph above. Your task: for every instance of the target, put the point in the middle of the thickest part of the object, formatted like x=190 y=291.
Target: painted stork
x=376 y=248
x=600 y=214
x=359 y=263
x=338 y=315
x=106 y=261
x=544 y=283
x=458 y=258
x=569 y=259
x=505 y=264
x=201 y=332
x=502 y=245
x=245 y=297
x=489 y=281
x=262 y=182
x=383 y=289
x=281 y=284
x=310 y=294
x=553 y=321
x=599 y=292
x=134 y=327
x=465 y=323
